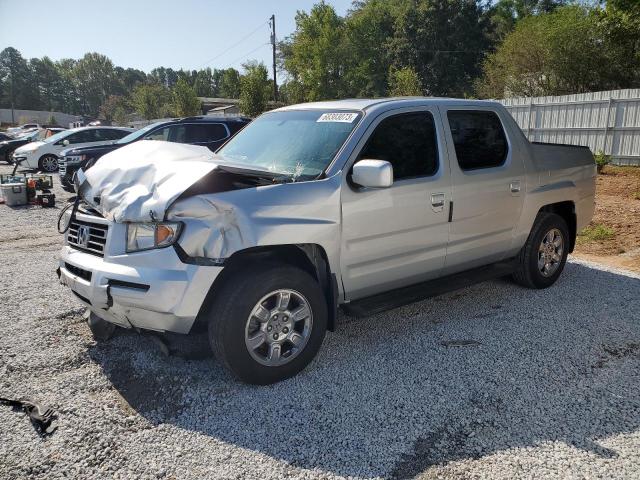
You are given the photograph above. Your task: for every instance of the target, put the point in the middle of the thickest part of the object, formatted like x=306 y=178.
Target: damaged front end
x=158 y=220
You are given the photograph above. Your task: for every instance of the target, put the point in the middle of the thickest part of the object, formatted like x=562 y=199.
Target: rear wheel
x=48 y=163
x=268 y=324
x=543 y=257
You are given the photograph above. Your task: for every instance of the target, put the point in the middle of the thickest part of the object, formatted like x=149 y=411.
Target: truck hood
x=139 y=182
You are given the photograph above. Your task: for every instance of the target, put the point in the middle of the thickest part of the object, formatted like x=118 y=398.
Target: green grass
x=596 y=233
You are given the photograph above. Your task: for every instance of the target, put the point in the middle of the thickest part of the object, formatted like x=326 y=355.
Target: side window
x=408 y=141
x=103 y=135
x=479 y=139
x=160 y=134
x=205 y=132
x=85 y=136
x=113 y=134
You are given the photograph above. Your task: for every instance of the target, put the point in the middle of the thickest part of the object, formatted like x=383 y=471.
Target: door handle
x=515 y=186
x=437 y=201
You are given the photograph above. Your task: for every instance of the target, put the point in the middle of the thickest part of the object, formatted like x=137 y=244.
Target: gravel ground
x=551 y=389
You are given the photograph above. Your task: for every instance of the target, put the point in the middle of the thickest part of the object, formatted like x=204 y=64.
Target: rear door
x=488 y=180
x=396 y=236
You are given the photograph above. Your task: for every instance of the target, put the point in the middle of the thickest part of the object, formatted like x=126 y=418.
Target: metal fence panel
x=603 y=121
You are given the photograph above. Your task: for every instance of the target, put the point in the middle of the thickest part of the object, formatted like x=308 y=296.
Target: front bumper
x=150 y=290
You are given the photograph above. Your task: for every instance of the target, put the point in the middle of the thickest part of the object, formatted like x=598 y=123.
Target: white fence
x=603 y=121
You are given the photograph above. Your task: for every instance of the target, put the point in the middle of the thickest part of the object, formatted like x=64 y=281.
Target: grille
x=96 y=238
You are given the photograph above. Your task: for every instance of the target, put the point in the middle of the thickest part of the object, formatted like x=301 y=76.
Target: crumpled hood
x=138 y=182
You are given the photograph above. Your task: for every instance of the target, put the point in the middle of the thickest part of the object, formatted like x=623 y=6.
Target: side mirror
x=373 y=173
x=65 y=143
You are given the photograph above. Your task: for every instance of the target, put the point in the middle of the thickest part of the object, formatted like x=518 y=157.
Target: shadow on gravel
x=386 y=398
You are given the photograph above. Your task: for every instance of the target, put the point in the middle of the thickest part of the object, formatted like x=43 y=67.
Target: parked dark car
x=7 y=147
x=4 y=136
x=210 y=132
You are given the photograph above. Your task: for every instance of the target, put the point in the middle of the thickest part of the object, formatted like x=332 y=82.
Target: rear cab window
x=479 y=138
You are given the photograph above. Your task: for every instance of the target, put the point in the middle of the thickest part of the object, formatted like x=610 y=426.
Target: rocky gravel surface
x=545 y=385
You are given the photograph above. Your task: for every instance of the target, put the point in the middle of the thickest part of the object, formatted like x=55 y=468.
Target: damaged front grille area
x=78 y=272
x=87 y=236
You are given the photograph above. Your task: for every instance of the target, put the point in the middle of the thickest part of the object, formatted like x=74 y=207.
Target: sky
x=145 y=34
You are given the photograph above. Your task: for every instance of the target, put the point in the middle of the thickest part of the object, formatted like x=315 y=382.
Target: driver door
x=397 y=236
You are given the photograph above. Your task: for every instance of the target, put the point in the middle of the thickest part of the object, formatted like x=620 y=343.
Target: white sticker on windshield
x=337 y=117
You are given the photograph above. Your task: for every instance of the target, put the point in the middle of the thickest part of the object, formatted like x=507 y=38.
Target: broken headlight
x=145 y=236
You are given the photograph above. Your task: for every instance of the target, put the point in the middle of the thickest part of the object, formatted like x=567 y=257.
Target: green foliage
x=230 y=83
x=595 y=233
x=52 y=120
x=315 y=54
x=572 y=50
x=602 y=160
x=94 y=77
x=185 y=100
x=111 y=105
x=254 y=89
x=404 y=82
x=151 y=101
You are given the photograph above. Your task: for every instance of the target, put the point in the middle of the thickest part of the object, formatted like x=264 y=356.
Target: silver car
x=359 y=204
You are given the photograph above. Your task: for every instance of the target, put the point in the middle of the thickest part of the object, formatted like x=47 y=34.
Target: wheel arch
x=566 y=210
x=310 y=257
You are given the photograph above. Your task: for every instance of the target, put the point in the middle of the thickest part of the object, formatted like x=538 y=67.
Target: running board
x=419 y=291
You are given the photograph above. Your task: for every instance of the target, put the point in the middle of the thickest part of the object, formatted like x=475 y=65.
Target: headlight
x=145 y=236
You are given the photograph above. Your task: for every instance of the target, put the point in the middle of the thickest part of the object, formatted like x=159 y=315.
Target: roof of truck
x=370 y=103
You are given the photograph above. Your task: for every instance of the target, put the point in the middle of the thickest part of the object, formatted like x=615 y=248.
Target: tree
x=291 y=92
x=185 y=100
x=113 y=105
x=95 y=80
x=568 y=51
x=404 y=82
x=444 y=41
x=150 y=100
x=17 y=80
x=230 y=83
x=315 y=54
x=203 y=84
x=254 y=88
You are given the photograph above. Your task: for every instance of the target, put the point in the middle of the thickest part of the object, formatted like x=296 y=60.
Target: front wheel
x=48 y=163
x=543 y=257
x=267 y=325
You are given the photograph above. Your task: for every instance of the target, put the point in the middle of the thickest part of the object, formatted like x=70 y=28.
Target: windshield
x=300 y=143
x=138 y=133
x=59 y=136
x=29 y=136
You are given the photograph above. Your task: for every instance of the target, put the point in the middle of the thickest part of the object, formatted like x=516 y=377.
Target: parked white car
x=43 y=155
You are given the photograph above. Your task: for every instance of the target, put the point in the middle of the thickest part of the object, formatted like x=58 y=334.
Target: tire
x=100 y=329
x=48 y=163
x=540 y=248
x=233 y=326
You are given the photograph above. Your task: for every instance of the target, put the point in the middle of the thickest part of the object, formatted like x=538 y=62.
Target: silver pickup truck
x=359 y=204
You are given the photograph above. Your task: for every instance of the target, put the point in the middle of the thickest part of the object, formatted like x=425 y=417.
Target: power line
x=231 y=64
x=235 y=44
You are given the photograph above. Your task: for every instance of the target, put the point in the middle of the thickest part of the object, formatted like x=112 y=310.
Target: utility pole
x=273 y=46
